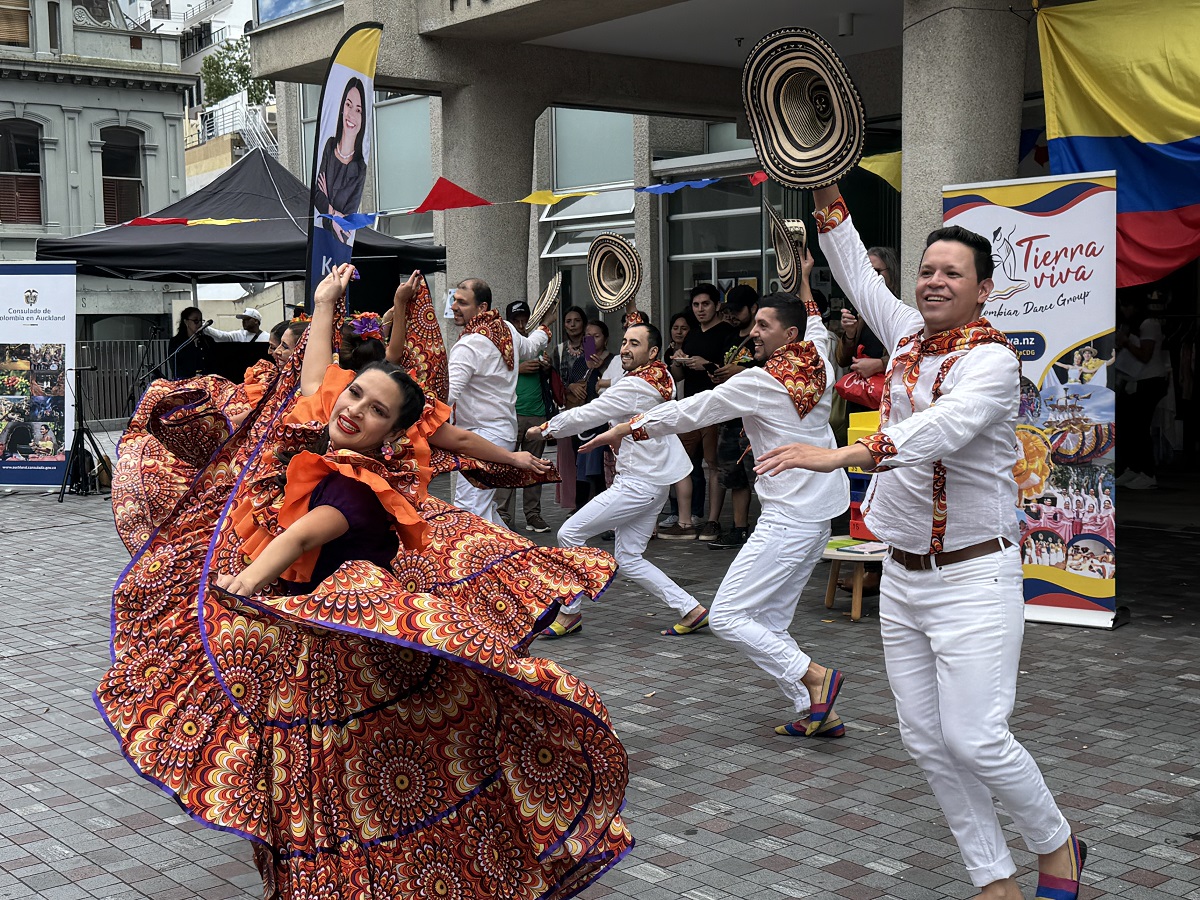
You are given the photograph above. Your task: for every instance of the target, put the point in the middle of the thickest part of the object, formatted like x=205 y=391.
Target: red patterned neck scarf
x=800 y=369
x=495 y=329
x=658 y=376
x=911 y=350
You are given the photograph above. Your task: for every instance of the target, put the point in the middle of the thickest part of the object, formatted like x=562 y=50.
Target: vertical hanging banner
x=341 y=151
x=37 y=356
x=1054 y=249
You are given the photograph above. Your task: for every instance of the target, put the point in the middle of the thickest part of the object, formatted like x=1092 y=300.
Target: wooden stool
x=837 y=553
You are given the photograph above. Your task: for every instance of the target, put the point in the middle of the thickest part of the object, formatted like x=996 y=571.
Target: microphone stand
x=191 y=339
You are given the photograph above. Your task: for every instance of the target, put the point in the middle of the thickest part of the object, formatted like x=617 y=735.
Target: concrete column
x=487 y=148
x=964 y=77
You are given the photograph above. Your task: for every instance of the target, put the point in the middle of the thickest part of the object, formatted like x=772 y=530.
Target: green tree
x=226 y=71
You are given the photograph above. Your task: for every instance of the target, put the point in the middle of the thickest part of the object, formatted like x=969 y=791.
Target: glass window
x=722 y=137
x=592 y=147
x=575 y=242
x=407 y=226
x=722 y=234
x=55 y=25
x=605 y=203
x=121 y=166
x=403 y=163
x=310 y=104
x=14 y=23
x=20 y=173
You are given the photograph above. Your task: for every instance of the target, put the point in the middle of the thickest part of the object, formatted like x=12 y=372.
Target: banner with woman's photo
x=341 y=151
x=1054 y=249
x=37 y=354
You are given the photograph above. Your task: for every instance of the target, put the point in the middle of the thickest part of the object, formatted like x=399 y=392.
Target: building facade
x=91 y=134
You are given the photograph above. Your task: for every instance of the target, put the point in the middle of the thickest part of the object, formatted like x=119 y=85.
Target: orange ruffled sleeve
x=317 y=407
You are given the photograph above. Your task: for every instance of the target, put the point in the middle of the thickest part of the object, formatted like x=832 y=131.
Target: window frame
x=33 y=129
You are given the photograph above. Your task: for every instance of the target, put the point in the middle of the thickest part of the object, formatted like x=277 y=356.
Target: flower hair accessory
x=301 y=317
x=367 y=325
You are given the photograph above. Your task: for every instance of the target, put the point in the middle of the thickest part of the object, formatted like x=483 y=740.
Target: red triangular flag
x=758 y=177
x=150 y=220
x=445 y=194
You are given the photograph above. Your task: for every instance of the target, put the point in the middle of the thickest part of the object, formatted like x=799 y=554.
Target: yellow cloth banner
x=549 y=198
x=1122 y=68
x=885 y=165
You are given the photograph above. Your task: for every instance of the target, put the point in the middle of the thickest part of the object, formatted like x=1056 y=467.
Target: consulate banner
x=1054 y=249
x=341 y=151
x=37 y=354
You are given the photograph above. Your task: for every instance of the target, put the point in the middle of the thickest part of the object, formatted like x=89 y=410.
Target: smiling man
x=645 y=472
x=786 y=397
x=483 y=380
x=951 y=602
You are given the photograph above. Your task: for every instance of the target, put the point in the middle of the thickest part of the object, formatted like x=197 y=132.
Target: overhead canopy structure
x=273 y=248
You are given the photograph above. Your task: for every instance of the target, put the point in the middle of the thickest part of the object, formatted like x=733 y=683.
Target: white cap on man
x=249 y=313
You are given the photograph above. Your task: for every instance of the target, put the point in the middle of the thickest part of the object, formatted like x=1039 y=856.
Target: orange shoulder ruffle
x=318 y=406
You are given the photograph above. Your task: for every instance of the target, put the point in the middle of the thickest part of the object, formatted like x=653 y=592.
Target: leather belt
x=920 y=562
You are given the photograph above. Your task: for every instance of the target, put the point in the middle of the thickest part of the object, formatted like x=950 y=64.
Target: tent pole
x=195 y=293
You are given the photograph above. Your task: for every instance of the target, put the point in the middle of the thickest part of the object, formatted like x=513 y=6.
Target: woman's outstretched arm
x=318 y=352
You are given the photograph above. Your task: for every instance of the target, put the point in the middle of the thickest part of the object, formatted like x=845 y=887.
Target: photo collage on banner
x=37 y=352
x=1054 y=249
x=341 y=151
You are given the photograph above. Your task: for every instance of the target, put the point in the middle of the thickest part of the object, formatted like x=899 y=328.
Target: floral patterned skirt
x=384 y=736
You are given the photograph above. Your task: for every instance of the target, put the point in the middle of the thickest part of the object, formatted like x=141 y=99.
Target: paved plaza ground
x=720 y=806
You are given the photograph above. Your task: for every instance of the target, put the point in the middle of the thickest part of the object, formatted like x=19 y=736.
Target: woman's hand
x=696 y=363
x=405 y=292
x=576 y=392
x=597 y=360
x=849 y=324
x=243 y=584
x=527 y=462
x=534 y=433
x=321 y=182
x=333 y=286
x=867 y=366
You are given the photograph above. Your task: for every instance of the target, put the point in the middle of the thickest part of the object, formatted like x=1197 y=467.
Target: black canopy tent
x=271 y=249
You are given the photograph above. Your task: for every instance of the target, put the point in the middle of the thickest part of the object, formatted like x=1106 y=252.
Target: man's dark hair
x=790 y=311
x=740 y=297
x=481 y=290
x=653 y=335
x=981 y=246
x=596 y=323
x=705 y=287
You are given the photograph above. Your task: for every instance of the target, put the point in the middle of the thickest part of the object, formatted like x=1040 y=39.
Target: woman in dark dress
x=193 y=359
x=343 y=169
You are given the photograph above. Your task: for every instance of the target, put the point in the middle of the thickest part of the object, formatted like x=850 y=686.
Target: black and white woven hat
x=614 y=271
x=788 y=237
x=546 y=302
x=805 y=114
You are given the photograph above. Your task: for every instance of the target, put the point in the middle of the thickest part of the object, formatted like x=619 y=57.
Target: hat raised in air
x=614 y=271
x=805 y=115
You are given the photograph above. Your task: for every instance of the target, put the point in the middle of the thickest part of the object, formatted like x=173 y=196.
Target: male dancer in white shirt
x=951 y=604
x=645 y=472
x=788 y=397
x=483 y=381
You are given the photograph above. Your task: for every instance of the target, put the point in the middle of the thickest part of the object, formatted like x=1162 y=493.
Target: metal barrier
x=106 y=391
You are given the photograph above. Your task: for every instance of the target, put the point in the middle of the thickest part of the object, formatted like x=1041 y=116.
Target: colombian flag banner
x=341 y=151
x=1122 y=86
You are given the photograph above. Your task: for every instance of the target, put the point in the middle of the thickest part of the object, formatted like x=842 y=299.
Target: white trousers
x=481 y=501
x=952 y=644
x=757 y=598
x=630 y=508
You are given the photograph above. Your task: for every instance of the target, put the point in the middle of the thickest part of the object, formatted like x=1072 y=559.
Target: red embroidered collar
x=800 y=369
x=658 y=376
x=495 y=329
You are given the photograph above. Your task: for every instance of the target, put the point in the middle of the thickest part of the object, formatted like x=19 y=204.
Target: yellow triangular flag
x=885 y=165
x=220 y=221
x=549 y=198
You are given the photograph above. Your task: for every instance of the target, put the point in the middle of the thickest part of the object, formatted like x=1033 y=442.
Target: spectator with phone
x=703 y=353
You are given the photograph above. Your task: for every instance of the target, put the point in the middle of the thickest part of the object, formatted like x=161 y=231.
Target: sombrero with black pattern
x=546 y=302
x=788 y=237
x=614 y=271
x=805 y=115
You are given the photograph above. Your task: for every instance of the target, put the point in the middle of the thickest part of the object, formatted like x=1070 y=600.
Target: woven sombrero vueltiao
x=614 y=271
x=805 y=115
x=546 y=302
x=788 y=237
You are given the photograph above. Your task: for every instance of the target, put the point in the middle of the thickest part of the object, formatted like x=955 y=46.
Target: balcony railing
x=194 y=43
x=107 y=389
x=20 y=199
